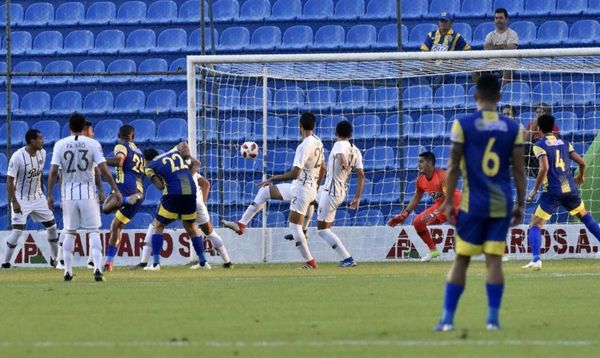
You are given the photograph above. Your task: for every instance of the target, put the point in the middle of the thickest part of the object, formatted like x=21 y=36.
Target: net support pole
x=265 y=90
x=191 y=108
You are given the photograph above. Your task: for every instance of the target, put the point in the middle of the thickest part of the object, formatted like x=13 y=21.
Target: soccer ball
x=249 y=150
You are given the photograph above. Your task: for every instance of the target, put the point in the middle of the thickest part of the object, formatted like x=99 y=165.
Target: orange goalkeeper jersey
x=434 y=187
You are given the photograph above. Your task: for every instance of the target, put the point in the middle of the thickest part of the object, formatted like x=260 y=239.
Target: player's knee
x=13 y=239
x=49 y=224
x=18 y=227
x=419 y=224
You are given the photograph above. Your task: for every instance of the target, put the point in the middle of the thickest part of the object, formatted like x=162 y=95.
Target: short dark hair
x=488 y=87
x=545 y=107
x=76 y=122
x=501 y=10
x=428 y=156
x=343 y=129
x=125 y=131
x=308 y=121
x=87 y=124
x=150 y=154
x=31 y=135
x=513 y=109
x=546 y=123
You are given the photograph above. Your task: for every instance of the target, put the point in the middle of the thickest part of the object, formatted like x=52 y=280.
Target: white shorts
x=202 y=211
x=81 y=214
x=328 y=206
x=37 y=209
x=302 y=197
x=285 y=189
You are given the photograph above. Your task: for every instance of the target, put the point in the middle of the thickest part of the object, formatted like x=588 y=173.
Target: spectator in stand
x=509 y=111
x=503 y=38
x=531 y=135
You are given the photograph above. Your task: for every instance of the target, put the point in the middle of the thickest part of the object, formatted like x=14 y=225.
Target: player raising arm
x=560 y=188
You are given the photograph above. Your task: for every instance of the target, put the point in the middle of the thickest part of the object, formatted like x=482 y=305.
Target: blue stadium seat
x=388 y=37
x=516 y=94
x=265 y=38
x=101 y=13
x=567 y=121
x=379 y=158
x=367 y=126
x=584 y=32
x=353 y=98
x=381 y=9
x=384 y=98
x=298 y=37
x=145 y=130
x=89 y=66
x=552 y=33
x=470 y=99
x=391 y=127
x=329 y=37
x=2 y=70
x=141 y=220
x=210 y=127
x=417 y=97
x=35 y=103
x=292 y=128
x=538 y=8
x=591 y=123
x=369 y=217
x=410 y=9
x=361 y=37
x=3 y=164
x=476 y=8
x=50 y=129
x=274 y=129
x=131 y=12
x=14 y=102
x=239 y=164
x=279 y=160
x=66 y=102
x=464 y=30
x=326 y=127
x=513 y=7
x=252 y=99
x=321 y=98
x=172 y=130
x=69 y=13
x=107 y=131
x=121 y=66
x=276 y=219
x=526 y=31
x=171 y=40
x=431 y=125
x=449 y=96
x=236 y=128
x=255 y=10
x=3 y=203
x=367 y=189
x=189 y=11
x=151 y=65
x=547 y=92
x=16 y=14
x=385 y=191
x=481 y=32
x=229 y=98
x=47 y=43
x=442 y=154
x=570 y=7
x=286 y=10
x=98 y=102
x=109 y=41
x=226 y=10
x=140 y=41
x=162 y=12
x=17 y=130
x=418 y=34
x=579 y=93
x=78 y=42
x=288 y=99
x=194 y=43
x=317 y=10
x=436 y=7
x=593 y=8
x=152 y=196
x=27 y=67
x=38 y=14
x=231 y=190
x=210 y=160
x=348 y=9
x=20 y=42
x=130 y=101
x=161 y=101
x=234 y=38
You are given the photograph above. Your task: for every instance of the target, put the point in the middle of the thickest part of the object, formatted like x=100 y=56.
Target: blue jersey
x=452 y=41
x=488 y=139
x=174 y=173
x=559 y=179
x=129 y=177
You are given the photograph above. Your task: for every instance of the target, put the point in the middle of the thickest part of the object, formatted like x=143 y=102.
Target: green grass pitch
x=375 y=309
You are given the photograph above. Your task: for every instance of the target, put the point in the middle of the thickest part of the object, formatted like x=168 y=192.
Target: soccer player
x=560 y=188
x=432 y=181
x=26 y=194
x=343 y=159
x=306 y=173
x=170 y=173
x=75 y=156
x=129 y=163
x=484 y=145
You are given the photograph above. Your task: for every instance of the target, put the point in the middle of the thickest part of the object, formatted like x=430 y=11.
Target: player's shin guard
x=157 y=241
x=147 y=249
x=96 y=250
x=68 y=246
x=218 y=244
x=300 y=239
x=11 y=244
x=257 y=205
x=53 y=240
x=309 y=214
x=331 y=238
x=451 y=297
x=494 y=293
x=591 y=225
x=535 y=241
x=423 y=233
x=199 y=249
x=60 y=256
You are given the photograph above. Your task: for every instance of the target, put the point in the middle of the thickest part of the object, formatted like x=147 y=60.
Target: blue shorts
x=173 y=207
x=126 y=212
x=549 y=202
x=476 y=235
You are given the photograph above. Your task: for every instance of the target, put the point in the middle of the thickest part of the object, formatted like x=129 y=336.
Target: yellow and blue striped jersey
x=174 y=173
x=488 y=140
x=559 y=179
x=451 y=41
x=129 y=177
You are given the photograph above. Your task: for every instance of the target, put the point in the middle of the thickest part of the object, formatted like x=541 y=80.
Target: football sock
x=157 y=241
x=60 y=256
x=96 y=250
x=591 y=225
x=334 y=242
x=424 y=234
x=535 y=241
x=11 y=244
x=301 y=243
x=111 y=251
x=218 y=244
x=257 y=205
x=308 y=218
x=199 y=248
x=451 y=297
x=68 y=246
x=147 y=248
x=494 y=294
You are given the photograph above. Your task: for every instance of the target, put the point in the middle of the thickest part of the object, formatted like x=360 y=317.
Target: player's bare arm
x=98 y=183
x=157 y=182
x=10 y=184
x=204 y=187
x=322 y=173
x=291 y=175
x=518 y=171
x=355 y=202
x=52 y=177
x=539 y=180
x=452 y=175
x=108 y=178
x=580 y=177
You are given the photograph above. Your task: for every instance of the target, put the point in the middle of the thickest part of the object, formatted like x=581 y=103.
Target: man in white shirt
x=307 y=172
x=26 y=194
x=502 y=38
x=344 y=159
x=76 y=156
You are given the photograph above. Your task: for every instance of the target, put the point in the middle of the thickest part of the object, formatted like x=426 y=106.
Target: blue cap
x=446 y=16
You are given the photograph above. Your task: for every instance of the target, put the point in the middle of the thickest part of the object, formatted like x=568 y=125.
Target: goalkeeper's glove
x=398 y=219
